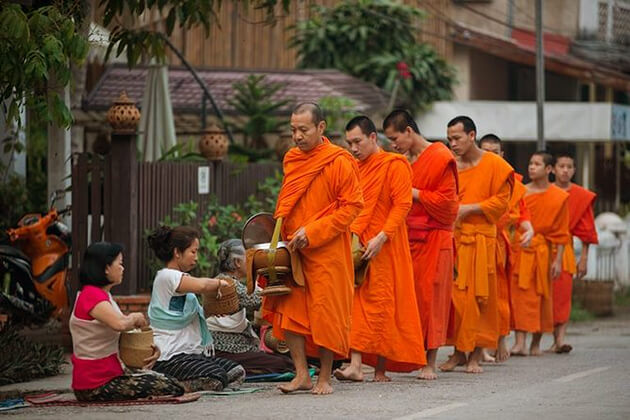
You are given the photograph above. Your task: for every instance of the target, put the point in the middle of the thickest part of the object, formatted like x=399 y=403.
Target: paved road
x=590 y=383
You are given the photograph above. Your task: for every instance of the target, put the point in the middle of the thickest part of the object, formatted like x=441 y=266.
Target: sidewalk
x=58 y=383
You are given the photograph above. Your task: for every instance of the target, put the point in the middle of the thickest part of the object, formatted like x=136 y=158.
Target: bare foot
x=381 y=377
x=427 y=373
x=456 y=359
x=502 y=353
x=297 y=384
x=552 y=349
x=518 y=351
x=487 y=358
x=349 y=374
x=473 y=366
x=535 y=351
x=322 y=388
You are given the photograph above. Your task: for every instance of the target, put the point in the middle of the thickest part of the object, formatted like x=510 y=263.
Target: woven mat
x=68 y=399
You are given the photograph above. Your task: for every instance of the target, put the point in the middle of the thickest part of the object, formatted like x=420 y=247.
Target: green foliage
x=38 y=46
x=579 y=313
x=369 y=39
x=13 y=201
x=182 y=152
x=337 y=110
x=218 y=223
x=23 y=360
x=622 y=297
x=254 y=99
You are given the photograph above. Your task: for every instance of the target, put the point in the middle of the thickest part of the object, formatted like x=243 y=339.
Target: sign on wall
x=203 y=180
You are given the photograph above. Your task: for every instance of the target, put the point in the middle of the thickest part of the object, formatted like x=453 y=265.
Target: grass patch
x=579 y=314
x=622 y=297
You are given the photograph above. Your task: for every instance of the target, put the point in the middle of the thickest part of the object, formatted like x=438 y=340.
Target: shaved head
x=312 y=108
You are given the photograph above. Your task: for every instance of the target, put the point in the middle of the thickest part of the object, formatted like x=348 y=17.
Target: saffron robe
x=430 y=225
x=385 y=319
x=531 y=283
x=581 y=225
x=507 y=228
x=320 y=192
x=475 y=316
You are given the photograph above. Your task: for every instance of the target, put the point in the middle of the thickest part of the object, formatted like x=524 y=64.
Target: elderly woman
x=95 y=326
x=234 y=336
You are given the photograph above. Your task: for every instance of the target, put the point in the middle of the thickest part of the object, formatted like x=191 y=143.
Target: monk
x=540 y=263
x=430 y=226
x=485 y=187
x=319 y=199
x=513 y=226
x=581 y=225
x=386 y=331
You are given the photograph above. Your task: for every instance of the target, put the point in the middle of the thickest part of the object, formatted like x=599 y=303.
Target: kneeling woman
x=234 y=336
x=95 y=326
x=177 y=318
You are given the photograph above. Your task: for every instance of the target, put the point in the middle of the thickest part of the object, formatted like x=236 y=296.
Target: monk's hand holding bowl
x=463 y=212
x=150 y=361
x=299 y=240
x=374 y=246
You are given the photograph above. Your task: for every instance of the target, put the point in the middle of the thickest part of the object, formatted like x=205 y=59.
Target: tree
x=41 y=39
x=375 y=41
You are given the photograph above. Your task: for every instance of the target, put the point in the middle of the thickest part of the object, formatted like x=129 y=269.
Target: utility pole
x=540 y=78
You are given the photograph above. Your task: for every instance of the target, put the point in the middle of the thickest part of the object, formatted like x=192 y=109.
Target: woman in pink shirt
x=95 y=326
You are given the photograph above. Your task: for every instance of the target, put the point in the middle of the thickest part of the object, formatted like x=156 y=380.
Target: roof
x=558 y=59
x=186 y=94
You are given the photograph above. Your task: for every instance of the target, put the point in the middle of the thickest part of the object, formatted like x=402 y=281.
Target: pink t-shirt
x=92 y=373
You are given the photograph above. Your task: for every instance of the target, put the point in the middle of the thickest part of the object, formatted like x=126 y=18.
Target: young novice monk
x=541 y=262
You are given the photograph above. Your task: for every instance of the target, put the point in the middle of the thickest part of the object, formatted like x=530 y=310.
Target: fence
x=160 y=186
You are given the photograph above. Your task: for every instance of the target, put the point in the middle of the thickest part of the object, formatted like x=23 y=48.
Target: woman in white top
x=177 y=318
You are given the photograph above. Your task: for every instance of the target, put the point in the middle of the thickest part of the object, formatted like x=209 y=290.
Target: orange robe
x=582 y=225
x=476 y=316
x=385 y=319
x=430 y=224
x=320 y=192
x=531 y=282
x=506 y=229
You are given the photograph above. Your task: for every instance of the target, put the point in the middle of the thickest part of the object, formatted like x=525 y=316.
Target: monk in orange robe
x=514 y=222
x=541 y=262
x=319 y=199
x=581 y=225
x=430 y=225
x=485 y=187
x=386 y=331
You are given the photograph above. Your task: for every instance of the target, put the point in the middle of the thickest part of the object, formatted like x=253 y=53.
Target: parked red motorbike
x=34 y=267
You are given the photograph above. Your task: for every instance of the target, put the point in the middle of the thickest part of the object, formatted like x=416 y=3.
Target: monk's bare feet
x=456 y=359
x=349 y=374
x=502 y=352
x=427 y=373
x=381 y=377
x=518 y=351
x=535 y=351
x=322 y=387
x=552 y=349
x=473 y=367
x=297 y=384
x=487 y=358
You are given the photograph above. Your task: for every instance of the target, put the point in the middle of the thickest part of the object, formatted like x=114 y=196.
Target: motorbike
x=34 y=267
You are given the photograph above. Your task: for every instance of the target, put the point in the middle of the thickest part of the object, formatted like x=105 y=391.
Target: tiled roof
x=300 y=86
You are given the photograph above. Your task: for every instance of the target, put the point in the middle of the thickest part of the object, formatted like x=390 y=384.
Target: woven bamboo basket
x=225 y=303
x=135 y=347
x=274 y=344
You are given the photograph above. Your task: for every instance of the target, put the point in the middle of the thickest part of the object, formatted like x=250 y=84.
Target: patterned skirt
x=132 y=386
x=199 y=372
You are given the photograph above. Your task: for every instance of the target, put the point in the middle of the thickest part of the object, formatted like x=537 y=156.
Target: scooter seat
x=9 y=251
